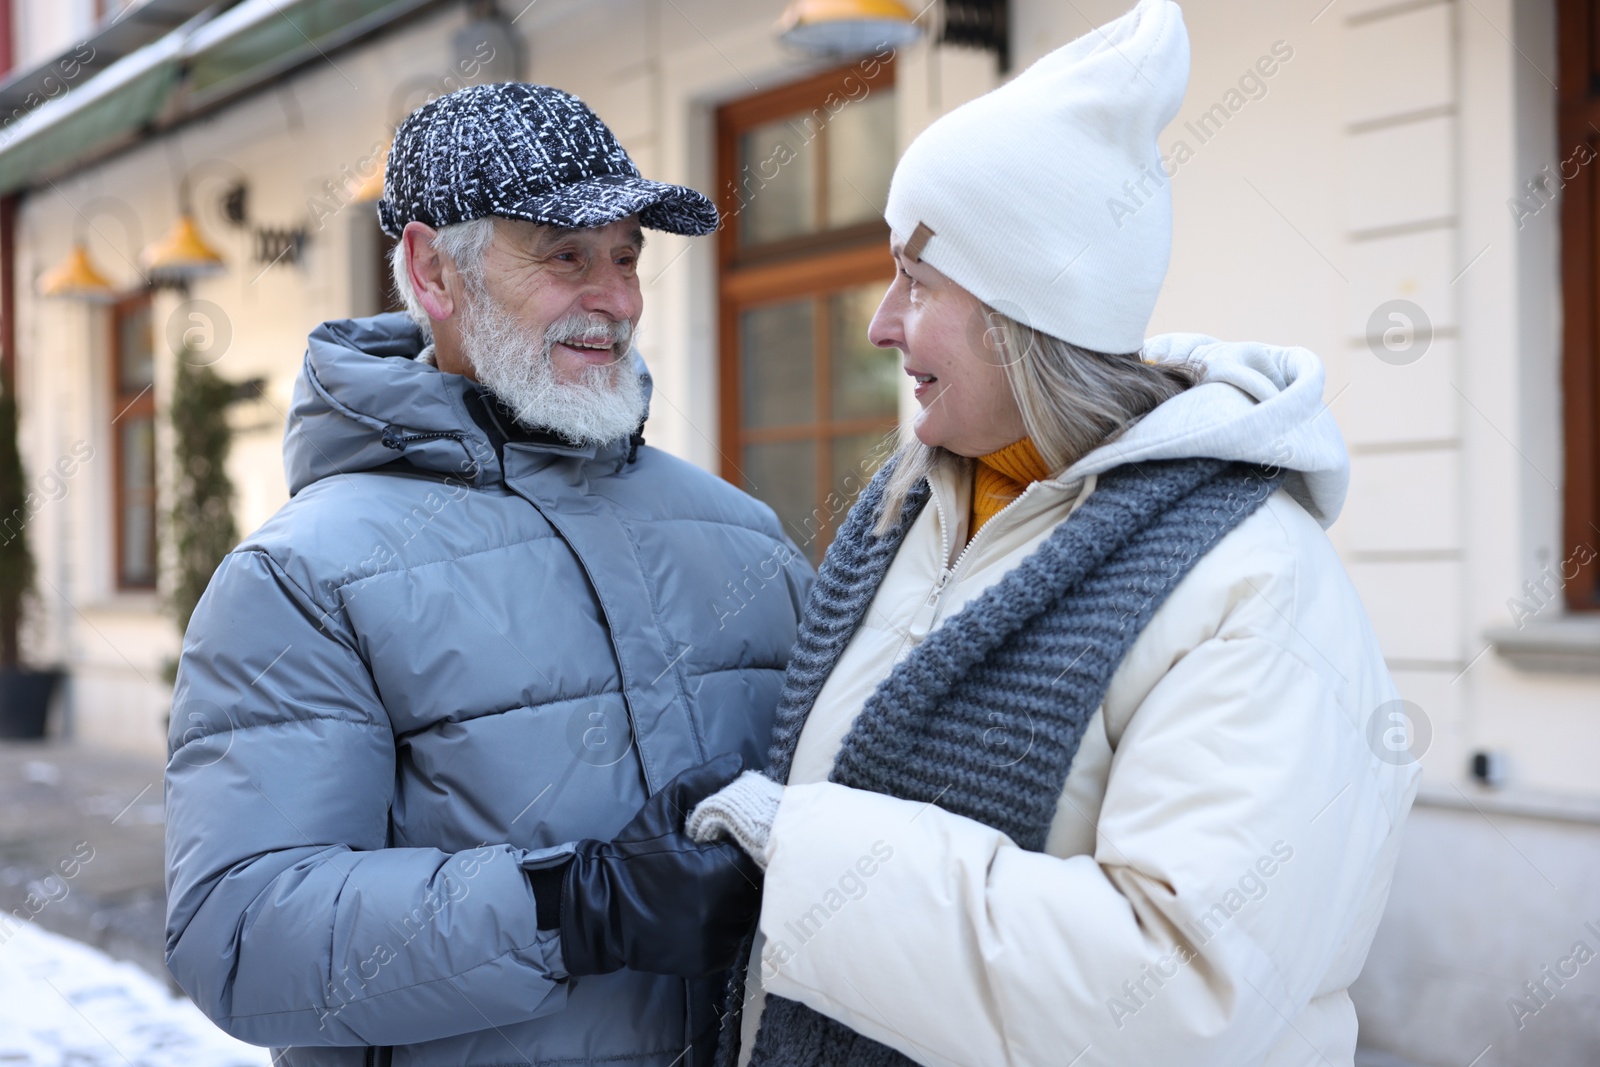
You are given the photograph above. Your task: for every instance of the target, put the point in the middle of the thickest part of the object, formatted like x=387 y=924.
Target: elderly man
x=437 y=722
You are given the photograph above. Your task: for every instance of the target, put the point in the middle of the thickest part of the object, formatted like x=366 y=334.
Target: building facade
x=1402 y=186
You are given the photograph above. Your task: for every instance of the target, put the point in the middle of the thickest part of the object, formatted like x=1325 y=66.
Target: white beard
x=606 y=403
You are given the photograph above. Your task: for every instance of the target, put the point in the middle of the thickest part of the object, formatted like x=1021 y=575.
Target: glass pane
x=783 y=474
x=854 y=461
x=135 y=349
x=777 y=366
x=138 y=454
x=138 y=545
x=861 y=158
x=866 y=379
x=137 y=477
x=776 y=183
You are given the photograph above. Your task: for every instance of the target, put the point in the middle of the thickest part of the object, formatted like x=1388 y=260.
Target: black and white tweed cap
x=524 y=152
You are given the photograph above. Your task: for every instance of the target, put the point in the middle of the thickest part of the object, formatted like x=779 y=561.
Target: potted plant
x=24 y=693
x=201 y=517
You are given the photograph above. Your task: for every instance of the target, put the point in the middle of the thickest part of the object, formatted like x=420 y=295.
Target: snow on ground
x=65 y=1004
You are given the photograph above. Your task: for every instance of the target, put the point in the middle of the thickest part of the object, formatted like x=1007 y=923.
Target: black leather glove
x=653 y=899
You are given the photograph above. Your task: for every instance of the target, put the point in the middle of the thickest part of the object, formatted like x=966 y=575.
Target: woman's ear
x=428 y=269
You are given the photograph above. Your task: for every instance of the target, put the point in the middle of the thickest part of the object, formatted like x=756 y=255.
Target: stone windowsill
x=1569 y=644
x=124 y=602
x=1520 y=802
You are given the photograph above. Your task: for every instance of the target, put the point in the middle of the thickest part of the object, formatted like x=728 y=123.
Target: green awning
x=225 y=56
x=107 y=111
x=233 y=55
x=132 y=27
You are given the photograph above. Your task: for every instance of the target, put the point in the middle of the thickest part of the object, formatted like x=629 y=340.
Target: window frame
x=141 y=405
x=1578 y=117
x=811 y=266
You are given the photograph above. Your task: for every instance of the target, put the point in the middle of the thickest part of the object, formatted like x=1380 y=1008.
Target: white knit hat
x=1046 y=198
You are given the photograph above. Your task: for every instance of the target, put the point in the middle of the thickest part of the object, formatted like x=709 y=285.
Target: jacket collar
x=364 y=401
x=501 y=427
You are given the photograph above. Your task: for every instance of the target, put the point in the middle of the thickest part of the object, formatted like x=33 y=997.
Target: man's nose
x=613 y=292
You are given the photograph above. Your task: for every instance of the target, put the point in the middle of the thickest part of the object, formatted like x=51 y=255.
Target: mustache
x=585 y=330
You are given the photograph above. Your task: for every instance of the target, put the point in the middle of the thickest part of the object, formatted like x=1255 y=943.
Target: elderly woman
x=1074 y=748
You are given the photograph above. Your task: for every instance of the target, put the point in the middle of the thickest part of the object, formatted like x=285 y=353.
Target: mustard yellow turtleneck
x=1001 y=477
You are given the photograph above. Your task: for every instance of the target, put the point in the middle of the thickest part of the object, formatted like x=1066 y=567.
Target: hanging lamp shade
x=77 y=278
x=372 y=188
x=183 y=253
x=846 y=27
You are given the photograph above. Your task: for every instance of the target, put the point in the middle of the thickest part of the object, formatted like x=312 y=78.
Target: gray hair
x=1073 y=400
x=465 y=244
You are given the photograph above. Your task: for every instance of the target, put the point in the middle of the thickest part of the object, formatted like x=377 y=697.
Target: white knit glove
x=743 y=810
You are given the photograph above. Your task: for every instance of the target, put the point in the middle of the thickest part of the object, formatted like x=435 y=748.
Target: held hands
x=653 y=898
x=743 y=810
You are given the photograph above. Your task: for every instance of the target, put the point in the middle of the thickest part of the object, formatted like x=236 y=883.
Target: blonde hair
x=1072 y=399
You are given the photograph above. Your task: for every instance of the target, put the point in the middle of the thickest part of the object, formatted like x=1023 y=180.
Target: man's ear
x=428 y=269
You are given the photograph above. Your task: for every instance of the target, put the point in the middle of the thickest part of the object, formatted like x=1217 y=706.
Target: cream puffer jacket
x=1224 y=844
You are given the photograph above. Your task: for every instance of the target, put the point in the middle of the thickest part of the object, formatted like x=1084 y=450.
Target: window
x=372 y=290
x=8 y=30
x=133 y=431
x=104 y=9
x=1579 y=124
x=806 y=400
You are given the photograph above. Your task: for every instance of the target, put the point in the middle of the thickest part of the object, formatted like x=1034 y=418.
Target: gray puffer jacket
x=458 y=648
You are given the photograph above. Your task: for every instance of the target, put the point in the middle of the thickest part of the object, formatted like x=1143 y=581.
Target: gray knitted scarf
x=985 y=716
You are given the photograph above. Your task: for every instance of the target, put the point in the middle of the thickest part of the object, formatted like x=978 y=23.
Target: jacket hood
x=363 y=401
x=1255 y=403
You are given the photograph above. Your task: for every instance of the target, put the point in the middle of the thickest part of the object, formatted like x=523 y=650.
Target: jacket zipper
x=947 y=573
x=397 y=441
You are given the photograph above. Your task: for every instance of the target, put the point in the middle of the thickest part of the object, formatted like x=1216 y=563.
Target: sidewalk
x=65 y=1004
x=81 y=850
x=81 y=847
x=82 y=902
